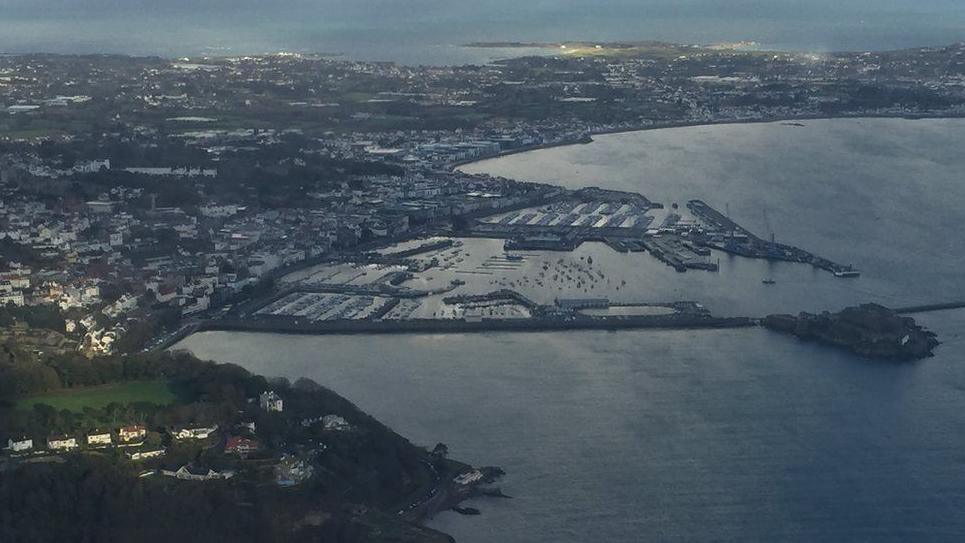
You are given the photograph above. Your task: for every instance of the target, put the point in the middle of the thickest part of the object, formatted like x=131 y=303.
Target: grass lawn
x=157 y=392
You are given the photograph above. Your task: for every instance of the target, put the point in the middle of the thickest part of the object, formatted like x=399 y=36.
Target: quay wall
x=442 y=326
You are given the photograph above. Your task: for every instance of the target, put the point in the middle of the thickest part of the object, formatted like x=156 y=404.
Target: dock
x=734 y=239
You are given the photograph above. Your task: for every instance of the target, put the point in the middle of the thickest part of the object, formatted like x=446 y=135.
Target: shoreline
x=694 y=124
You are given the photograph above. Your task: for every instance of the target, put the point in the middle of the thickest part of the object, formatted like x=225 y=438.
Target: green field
x=157 y=392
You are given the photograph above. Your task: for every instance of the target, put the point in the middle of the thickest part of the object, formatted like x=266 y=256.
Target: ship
x=847 y=274
x=768 y=281
x=514 y=258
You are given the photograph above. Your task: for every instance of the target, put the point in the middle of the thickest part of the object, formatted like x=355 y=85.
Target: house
x=142 y=455
x=61 y=443
x=310 y=421
x=291 y=471
x=270 y=401
x=190 y=472
x=335 y=423
x=99 y=439
x=130 y=434
x=241 y=445
x=100 y=207
x=194 y=432
x=20 y=445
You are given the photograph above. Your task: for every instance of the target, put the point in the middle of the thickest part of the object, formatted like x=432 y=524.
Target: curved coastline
x=431 y=326
x=693 y=124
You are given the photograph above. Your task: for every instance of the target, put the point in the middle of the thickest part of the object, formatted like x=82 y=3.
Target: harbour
x=732 y=434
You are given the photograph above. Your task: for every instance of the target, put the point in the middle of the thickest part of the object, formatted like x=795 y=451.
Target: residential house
x=271 y=402
x=143 y=455
x=335 y=423
x=99 y=439
x=241 y=445
x=22 y=444
x=61 y=443
x=190 y=472
x=131 y=434
x=194 y=432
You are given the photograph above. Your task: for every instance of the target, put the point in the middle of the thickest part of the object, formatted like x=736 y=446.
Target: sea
x=703 y=435
x=433 y=31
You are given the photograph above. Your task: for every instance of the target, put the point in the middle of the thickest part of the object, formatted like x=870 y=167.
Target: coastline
x=694 y=124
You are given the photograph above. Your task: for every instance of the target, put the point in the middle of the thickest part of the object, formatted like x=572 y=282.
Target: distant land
x=579 y=44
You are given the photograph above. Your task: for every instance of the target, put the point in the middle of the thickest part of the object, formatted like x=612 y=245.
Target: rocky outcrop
x=869 y=330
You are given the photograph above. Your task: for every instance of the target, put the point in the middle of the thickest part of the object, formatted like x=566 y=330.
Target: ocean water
x=430 y=31
x=727 y=435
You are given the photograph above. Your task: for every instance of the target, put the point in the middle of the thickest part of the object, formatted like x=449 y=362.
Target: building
x=143 y=455
x=100 y=207
x=194 y=473
x=92 y=166
x=335 y=423
x=219 y=211
x=61 y=443
x=271 y=402
x=130 y=434
x=194 y=432
x=241 y=445
x=22 y=444
x=99 y=439
x=12 y=297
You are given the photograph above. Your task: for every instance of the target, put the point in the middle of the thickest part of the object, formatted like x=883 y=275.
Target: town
x=140 y=192
x=144 y=199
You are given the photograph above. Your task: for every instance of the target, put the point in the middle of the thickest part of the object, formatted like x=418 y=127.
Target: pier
x=930 y=308
x=734 y=239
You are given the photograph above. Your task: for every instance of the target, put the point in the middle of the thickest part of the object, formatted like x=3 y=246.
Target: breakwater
x=929 y=307
x=443 y=326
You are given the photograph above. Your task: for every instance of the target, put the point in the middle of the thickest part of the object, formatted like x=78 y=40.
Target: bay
x=729 y=435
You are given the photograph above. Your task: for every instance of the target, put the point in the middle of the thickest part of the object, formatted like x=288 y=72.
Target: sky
x=420 y=28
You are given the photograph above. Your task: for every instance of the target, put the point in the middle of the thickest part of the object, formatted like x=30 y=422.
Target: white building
x=15 y=297
x=98 y=439
x=61 y=443
x=193 y=473
x=271 y=402
x=92 y=166
x=195 y=432
x=221 y=211
x=128 y=434
x=142 y=455
x=20 y=445
x=335 y=423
